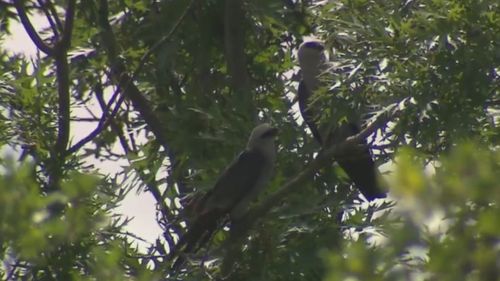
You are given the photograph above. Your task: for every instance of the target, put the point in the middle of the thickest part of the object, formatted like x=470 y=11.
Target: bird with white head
x=359 y=166
x=240 y=183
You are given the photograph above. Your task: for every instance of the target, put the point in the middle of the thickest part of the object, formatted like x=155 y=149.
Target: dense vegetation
x=172 y=90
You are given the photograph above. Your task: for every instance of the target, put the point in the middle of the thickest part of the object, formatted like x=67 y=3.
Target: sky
x=140 y=207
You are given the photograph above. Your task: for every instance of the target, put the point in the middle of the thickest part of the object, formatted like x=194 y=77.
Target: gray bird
x=239 y=184
x=359 y=166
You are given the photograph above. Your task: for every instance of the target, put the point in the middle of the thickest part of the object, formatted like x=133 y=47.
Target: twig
x=104 y=122
x=32 y=33
x=54 y=14
x=150 y=182
x=124 y=80
x=48 y=15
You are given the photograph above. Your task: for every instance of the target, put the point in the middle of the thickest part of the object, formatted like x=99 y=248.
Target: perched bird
x=235 y=189
x=359 y=166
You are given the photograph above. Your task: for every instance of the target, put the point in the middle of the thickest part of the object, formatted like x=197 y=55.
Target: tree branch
x=62 y=73
x=324 y=157
x=234 y=47
x=105 y=107
x=49 y=16
x=149 y=181
x=63 y=82
x=65 y=42
x=60 y=55
x=126 y=83
x=130 y=91
x=124 y=80
x=104 y=121
x=32 y=33
x=52 y=9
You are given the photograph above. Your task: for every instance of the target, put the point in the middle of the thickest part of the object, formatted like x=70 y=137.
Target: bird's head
x=311 y=55
x=262 y=138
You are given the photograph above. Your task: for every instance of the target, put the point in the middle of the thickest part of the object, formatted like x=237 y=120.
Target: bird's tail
x=363 y=172
x=196 y=236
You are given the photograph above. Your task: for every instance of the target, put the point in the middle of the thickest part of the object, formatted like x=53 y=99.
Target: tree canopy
x=171 y=91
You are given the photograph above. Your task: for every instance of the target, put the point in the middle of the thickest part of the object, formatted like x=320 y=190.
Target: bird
x=238 y=185
x=358 y=165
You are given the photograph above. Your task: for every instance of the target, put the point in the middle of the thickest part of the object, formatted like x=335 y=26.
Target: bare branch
x=50 y=19
x=33 y=34
x=62 y=73
x=52 y=9
x=63 y=85
x=126 y=85
x=104 y=122
x=150 y=182
x=60 y=55
x=124 y=80
x=68 y=26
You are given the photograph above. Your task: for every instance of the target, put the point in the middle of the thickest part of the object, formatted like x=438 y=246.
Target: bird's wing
x=360 y=167
x=362 y=171
x=306 y=111
x=237 y=181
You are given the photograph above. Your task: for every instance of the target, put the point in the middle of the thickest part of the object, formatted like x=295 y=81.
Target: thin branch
x=104 y=122
x=33 y=34
x=65 y=42
x=148 y=256
x=125 y=83
x=52 y=9
x=149 y=181
x=50 y=19
x=85 y=119
x=163 y=40
x=63 y=85
x=105 y=107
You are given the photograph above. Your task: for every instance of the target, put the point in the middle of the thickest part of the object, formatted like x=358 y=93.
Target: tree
x=177 y=87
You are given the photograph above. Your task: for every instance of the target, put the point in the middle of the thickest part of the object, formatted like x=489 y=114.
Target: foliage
x=79 y=245
x=444 y=227
x=168 y=91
